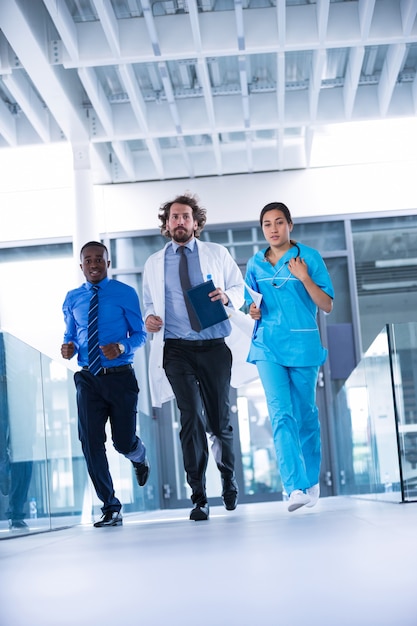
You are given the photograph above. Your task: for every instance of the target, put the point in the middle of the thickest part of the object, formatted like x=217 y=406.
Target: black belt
x=195 y=344
x=110 y=370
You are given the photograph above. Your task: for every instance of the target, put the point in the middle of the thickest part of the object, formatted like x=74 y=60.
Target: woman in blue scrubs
x=287 y=350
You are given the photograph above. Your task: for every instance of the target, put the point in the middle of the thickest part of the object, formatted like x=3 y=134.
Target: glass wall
x=43 y=479
x=372 y=262
x=385 y=254
x=376 y=419
x=403 y=348
x=365 y=427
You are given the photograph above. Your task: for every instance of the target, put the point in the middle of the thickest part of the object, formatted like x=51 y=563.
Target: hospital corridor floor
x=346 y=562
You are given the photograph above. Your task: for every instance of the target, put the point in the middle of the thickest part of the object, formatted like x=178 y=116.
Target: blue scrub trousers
x=291 y=398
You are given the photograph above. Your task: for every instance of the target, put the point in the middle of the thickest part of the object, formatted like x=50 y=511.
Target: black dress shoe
x=230 y=493
x=142 y=471
x=200 y=512
x=111 y=518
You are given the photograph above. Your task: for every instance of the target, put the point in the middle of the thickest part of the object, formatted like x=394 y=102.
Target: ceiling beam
x=109 y=24
x=393 y=62
x=130 y=84
x=7 y=125
x=408 y=15
x=150 y=23
x=65 y=26
x=195 y=24
x=169 y=94
x=124 y=156
x=244 y=90
x=366 y=12
x=414 y=94
x=281 y=21
x=280 y=149
x=280 y=81
x=28 y=100
x=353 y=73
x=322 y=15
x=204 y=80
x=186 y=156
x=26 y=40
x=318 y=65
x=97 y=98
x=239 y=25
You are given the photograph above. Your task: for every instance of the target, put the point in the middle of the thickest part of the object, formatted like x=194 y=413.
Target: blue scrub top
x=288 y=332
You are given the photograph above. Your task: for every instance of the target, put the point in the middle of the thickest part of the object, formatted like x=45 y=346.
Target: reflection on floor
x=347 y=562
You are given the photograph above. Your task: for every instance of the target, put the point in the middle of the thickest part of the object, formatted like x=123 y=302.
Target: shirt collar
x=190 y=245
x=101 y=284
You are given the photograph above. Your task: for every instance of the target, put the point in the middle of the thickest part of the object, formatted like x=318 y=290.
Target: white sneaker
x=314 y=493
x=297 y=499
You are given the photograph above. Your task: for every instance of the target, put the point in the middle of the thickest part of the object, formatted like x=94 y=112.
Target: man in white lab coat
x=187 y=361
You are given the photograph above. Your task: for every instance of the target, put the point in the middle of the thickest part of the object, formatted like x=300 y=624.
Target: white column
x=85 y=213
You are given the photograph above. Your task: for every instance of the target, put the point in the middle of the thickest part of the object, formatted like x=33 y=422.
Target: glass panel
x=403 y=338
x=325 y=236
x=25 y=501
x=342 y=306
x=36 y=253
x=385 y=261
x=218 y=236
x=242 y=235
x=338 y=326
x=132 y=252
x=260 y=471
x=365 y=428
x=43 y=478
x=133 y=280
x=242 y=253
x=65 y=470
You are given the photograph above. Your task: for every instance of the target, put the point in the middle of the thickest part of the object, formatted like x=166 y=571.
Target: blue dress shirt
x=120 y=320
x=177 y=324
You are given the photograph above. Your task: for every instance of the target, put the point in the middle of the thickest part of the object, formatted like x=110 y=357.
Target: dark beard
x=181 y=237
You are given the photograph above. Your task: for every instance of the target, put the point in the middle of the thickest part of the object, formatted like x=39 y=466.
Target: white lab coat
x=216 y=261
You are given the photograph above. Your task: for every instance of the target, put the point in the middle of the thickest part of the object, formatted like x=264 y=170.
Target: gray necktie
x=186 y=284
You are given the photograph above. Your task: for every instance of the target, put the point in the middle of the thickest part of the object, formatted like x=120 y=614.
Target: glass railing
x=376 y=420
x=44 y=483
x=403 y=347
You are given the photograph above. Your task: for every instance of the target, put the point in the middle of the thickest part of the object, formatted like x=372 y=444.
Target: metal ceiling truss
x=184 y=88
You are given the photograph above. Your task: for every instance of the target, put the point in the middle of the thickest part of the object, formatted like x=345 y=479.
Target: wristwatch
x=121 y=348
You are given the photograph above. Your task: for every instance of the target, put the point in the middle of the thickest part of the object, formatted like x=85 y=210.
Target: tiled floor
x=347 y=562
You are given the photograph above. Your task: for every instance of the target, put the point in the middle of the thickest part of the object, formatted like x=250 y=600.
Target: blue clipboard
x=209 y=313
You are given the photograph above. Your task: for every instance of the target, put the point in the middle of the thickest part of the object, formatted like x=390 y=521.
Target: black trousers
x=199 y=374
x=100 y=398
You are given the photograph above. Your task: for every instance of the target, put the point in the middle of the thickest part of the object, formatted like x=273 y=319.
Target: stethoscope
x=287 y=278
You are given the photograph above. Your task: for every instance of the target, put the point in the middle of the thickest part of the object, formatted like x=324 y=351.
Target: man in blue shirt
x=112 y=393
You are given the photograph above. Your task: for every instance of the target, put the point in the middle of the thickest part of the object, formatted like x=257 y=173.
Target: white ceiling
x=184 y=88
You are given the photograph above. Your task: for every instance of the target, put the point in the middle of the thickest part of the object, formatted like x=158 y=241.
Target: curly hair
x=188 y=199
